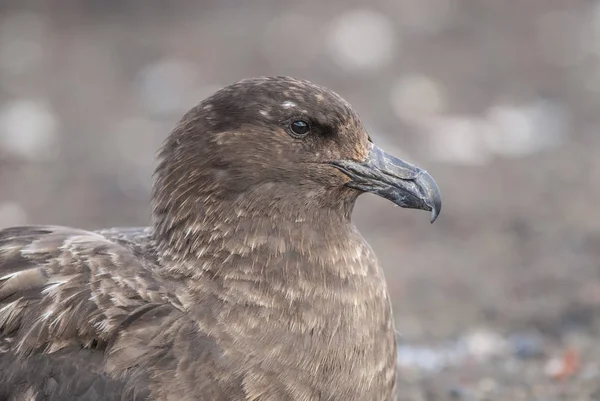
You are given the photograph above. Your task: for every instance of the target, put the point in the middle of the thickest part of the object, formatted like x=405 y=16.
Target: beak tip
x=435 y=212
x=433 y=197
x=436 y=207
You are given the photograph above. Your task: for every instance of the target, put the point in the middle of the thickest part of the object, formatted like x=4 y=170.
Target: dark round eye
x=300 y=128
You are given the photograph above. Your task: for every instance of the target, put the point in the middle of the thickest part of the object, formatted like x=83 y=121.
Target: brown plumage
x=251 y=283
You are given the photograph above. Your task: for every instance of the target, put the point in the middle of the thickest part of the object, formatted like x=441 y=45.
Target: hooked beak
x=382 y=174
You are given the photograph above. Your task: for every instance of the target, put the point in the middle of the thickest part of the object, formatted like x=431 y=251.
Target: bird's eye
x=300 y=128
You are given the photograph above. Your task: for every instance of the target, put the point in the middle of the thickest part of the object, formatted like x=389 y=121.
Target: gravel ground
x=499 y=100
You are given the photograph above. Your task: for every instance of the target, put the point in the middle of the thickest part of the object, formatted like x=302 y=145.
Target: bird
x=250 y=282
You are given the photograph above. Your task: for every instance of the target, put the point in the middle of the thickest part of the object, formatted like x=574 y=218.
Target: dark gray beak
x=393 y=179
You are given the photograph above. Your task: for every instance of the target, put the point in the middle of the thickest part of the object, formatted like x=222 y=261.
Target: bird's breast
x=308 y=325
x=329 y=348
x=300 y=308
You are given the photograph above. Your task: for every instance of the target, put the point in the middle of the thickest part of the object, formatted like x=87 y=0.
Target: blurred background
x=498 y=99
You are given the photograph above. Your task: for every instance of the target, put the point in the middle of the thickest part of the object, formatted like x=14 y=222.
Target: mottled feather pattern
x=89 y=312
x=59 y=291
x=63 y=278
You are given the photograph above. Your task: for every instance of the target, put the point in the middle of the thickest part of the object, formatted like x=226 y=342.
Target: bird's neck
x=276 y=250
x=199 y=228
x=222 y=241
x=318 y=262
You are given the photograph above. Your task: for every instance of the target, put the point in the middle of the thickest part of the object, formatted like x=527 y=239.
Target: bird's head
x=271 y=144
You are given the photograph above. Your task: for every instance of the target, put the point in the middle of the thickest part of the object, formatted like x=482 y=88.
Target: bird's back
x=65 y=295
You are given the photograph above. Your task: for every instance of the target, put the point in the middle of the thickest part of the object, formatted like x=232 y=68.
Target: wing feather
x=82 y=313
x=69 y=287
x=65 y=294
